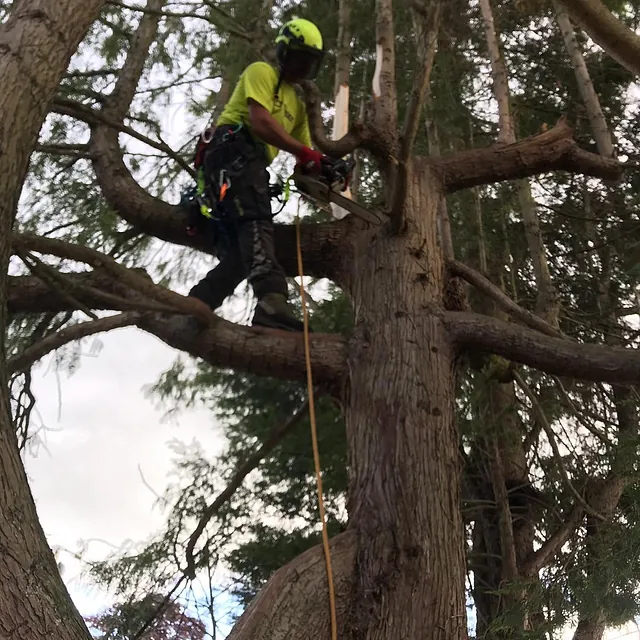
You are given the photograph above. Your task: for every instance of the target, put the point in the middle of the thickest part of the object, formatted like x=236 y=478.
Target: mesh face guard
x=299 y=61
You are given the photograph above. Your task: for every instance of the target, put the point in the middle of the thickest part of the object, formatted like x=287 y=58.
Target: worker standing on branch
x=263 y=116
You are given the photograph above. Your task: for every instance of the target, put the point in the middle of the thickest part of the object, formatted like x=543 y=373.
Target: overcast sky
x=101 y=429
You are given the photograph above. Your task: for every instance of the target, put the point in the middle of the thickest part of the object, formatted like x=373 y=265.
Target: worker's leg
x=221 y=281
x=247 y=207
x=266 y=276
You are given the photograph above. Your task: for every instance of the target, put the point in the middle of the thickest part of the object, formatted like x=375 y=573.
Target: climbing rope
x=314 y=436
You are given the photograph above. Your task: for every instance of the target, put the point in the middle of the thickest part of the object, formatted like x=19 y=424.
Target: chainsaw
x=325 y=187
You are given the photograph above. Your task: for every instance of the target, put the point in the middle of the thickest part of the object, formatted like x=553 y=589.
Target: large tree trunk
x=36 y=44
x=404 y=493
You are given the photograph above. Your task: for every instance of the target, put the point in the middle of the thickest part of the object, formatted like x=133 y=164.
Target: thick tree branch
x=549 y=151
x=264 y=352
x=552 y=355
x=287 y=606
x=618 y=40
x=357 y=135
x=26 y=358
x=485 y=286
x=251 y=462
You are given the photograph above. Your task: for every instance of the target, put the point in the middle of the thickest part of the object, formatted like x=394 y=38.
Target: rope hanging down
x=314 y=436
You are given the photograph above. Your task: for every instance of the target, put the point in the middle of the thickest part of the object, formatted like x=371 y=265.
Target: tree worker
x=263 y=116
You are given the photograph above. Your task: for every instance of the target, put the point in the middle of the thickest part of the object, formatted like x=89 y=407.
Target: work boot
x=274 y=311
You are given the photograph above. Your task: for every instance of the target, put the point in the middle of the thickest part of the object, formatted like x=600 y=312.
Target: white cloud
x=87 y=483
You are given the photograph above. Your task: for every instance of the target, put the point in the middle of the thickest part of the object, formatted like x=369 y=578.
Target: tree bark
x=404 y=491
x=553 y=355
x=294 y=602
x=36 y=44
x=552 y=150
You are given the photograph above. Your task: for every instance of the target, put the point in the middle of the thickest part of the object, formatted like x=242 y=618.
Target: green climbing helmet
x=299 y=49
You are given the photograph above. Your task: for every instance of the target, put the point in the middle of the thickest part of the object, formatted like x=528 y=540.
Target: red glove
x=310 y=159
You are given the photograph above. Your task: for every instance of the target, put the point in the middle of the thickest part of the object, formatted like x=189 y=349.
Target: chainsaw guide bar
x=315 y=188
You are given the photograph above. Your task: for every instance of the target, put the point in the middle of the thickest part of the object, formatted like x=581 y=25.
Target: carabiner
x=207 y=135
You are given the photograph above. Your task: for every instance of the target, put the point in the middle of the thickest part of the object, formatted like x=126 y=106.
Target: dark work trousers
x=244 y=243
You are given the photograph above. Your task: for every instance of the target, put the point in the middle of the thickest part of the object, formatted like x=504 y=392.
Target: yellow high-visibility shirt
x=258 y=82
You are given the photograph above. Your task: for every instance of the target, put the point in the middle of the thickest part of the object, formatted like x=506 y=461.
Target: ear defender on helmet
x=299 y=49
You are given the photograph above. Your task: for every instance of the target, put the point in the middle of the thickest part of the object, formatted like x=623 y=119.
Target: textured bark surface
x=295 y=603
x=554 y=355
x=266 y=352
x=404 y=493
x=36 y=44
x=551 y=150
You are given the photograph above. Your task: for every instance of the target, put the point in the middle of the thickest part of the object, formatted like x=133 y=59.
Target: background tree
x=125 y=621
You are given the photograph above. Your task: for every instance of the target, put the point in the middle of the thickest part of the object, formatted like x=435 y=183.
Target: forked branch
x=357 y=135
x=553 y=150
x=552 y=355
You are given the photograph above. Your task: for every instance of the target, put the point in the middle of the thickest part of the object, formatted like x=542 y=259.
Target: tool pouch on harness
x=235 y=171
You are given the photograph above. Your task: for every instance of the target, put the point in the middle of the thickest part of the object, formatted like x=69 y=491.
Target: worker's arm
x=269 y=130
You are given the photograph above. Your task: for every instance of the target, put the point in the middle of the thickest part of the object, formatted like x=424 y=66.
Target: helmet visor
x=303 y=63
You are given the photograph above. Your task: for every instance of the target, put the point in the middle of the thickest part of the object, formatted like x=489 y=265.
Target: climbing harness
x=314 y=436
